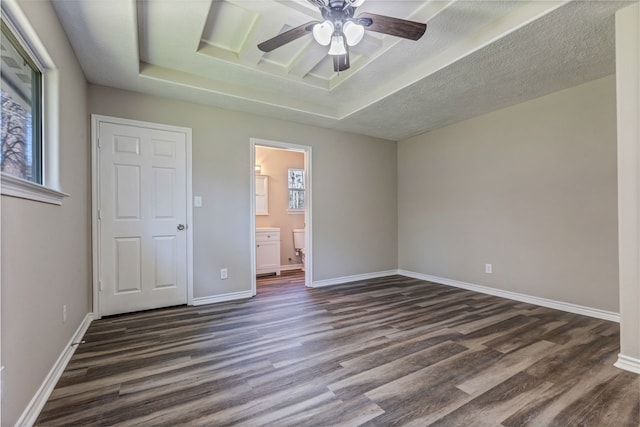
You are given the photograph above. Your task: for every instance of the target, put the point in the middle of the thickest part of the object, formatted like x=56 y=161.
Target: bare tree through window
x=21 y=98
x=16 y=126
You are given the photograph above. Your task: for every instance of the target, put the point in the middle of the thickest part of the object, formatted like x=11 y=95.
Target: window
x=296 y=190
x=21 y=94
x=30 y=116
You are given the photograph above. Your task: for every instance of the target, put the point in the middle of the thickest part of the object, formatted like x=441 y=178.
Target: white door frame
x=96 y=120
x=308 y=246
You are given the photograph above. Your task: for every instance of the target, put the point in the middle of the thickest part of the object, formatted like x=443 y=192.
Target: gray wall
x=628 y=91
x=530 y=189
x=46 y=252
x=354 y=188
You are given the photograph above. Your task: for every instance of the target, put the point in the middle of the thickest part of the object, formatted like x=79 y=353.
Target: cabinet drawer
x=268 y=236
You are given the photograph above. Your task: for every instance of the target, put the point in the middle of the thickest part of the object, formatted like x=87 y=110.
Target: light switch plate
x=197 y=201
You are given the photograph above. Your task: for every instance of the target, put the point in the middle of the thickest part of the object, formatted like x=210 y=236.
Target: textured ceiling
x=476 y=57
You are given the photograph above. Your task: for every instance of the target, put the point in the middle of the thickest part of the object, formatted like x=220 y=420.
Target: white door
x=142 y=213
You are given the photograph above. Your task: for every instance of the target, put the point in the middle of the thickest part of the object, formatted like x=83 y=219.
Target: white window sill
x=18 y=187
x=295 y=211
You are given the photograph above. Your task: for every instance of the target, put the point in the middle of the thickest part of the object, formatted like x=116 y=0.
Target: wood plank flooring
x=389 y=351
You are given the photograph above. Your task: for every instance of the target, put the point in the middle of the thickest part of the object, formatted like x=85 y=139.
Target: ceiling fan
x=341 y=29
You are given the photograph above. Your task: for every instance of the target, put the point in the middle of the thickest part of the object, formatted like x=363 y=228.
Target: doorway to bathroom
x=281 y=232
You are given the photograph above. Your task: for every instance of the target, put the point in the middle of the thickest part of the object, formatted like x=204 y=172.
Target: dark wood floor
x=286 y=277
x=390 y=351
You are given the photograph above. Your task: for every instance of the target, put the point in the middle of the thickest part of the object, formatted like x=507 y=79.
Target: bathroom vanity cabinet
x=268 y=250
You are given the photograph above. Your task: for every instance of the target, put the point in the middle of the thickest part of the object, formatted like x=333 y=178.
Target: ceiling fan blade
x=286 y=37
x=341 y=62
x=393 y=26
x=318 y=3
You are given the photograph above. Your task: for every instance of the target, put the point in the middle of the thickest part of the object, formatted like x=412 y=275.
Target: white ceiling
x=476 y=56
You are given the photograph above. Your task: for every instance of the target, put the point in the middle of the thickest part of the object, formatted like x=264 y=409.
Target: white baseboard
x=31 y=412
x=222 y=298
x=544 y=302
x=290 y=267
x=357 y=277
x=628 y=363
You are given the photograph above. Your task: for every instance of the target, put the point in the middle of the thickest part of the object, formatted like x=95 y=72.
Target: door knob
x=180 y=227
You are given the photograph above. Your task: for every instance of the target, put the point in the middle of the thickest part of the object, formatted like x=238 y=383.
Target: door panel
x=143 y=199
x=126 y=144
x=164 y=197
x=127 y=265
x=127 y=197
x=164 y=148
x=164 y=261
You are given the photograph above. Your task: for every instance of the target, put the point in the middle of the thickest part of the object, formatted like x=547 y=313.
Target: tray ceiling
x=476 y=56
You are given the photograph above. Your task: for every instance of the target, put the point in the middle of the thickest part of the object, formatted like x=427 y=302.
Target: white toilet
x=298 y=243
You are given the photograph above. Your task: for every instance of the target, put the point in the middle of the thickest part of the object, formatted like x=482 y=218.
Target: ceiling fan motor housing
x=337 y=14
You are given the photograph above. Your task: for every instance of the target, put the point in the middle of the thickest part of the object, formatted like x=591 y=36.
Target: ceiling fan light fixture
x=353 y=33
x=337 y=46
x=322 y=32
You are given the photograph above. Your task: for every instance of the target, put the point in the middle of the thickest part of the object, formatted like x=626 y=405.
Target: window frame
x=48 y=191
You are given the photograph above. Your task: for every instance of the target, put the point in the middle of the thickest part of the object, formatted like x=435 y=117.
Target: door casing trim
x=96 y=120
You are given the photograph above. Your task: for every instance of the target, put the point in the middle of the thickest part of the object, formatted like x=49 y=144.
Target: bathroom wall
x=275 y=164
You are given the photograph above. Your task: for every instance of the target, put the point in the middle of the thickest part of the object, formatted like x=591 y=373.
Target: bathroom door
x=142 y=218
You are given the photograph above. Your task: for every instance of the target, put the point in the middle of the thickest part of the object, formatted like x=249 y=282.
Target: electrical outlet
x=224 y=273
x=488 y=268
x=64 y=313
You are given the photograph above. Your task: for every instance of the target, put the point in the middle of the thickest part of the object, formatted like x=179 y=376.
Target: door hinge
x=99 y=142
x=100 y=285
x=99 y=213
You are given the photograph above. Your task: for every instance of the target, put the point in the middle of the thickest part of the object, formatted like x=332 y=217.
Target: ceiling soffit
x=206 y=51
x=212 y=44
